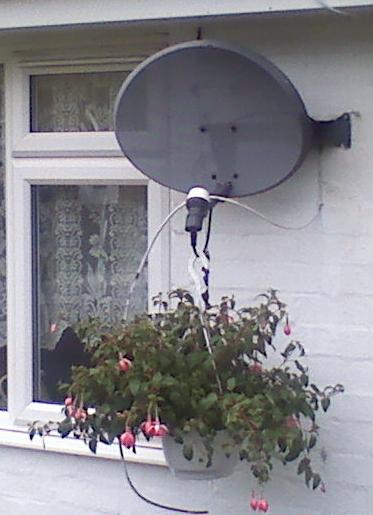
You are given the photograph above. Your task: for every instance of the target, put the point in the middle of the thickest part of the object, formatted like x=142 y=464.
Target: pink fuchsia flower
x=152 y=428
x=287 y=328
x=146 y=426
x=292 y=422
x=81 y=414
x=124 y=364
x=160 y=429
x=256 y=368
x=128 y=439
x=254 y=504
x=263 y=505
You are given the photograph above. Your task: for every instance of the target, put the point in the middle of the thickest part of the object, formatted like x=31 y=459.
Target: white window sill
x=17 y=436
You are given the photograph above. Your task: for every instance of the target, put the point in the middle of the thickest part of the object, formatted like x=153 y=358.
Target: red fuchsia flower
x=128 y=439
x=152 y=428
x=81 y=414
x=254 y=504
x=287 y=328
x=263 y=505
x=70 y=410
x=146 y=426
x=292 y=422
x=160 y=429
x=124 y=364
x=256 y=368
x=68 y=401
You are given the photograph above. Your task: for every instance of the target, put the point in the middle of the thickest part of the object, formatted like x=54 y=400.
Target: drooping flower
x=128 y=439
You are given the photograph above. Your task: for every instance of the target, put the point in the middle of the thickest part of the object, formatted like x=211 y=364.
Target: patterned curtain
x=90 y=242
x=74 y=101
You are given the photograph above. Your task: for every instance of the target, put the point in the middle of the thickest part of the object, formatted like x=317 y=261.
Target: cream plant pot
x=222 y=464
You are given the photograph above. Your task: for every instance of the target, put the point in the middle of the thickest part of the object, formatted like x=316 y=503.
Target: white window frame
x=58 y=159
x=58 y=144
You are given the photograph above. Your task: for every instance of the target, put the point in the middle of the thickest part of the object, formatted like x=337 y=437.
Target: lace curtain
x=74 y=101
x=90 y=242
x=2 y=247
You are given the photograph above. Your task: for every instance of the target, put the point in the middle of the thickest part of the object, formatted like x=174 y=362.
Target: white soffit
x=17 y=14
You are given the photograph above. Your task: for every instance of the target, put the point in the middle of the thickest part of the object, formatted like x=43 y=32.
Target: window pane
x=2 y=249
x=88 y=242
x=74 y=101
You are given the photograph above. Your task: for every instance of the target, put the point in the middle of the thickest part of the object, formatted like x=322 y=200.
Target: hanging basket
x=224 y=458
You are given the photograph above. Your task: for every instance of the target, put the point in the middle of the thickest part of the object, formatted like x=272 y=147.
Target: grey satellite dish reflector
x=209 y=114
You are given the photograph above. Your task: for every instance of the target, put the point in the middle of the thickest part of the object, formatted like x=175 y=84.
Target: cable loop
x=149 y=501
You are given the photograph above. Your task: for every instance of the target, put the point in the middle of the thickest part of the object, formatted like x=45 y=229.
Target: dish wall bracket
x=333 y=133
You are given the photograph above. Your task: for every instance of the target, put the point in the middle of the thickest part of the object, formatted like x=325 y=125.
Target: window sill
x=17 y=436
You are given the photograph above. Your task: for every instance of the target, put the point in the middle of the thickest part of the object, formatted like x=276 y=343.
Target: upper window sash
x=26 y=143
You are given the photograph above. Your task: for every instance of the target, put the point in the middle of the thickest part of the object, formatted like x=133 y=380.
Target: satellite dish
x=209 y=114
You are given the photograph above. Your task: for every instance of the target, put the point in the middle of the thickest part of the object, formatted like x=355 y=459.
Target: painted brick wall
x=324 y=273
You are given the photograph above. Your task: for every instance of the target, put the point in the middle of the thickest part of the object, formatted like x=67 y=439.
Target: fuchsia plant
x=154 y=375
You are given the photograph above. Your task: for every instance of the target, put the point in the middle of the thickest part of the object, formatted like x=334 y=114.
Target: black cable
x=149 y=501
x=206 y=271
x=205 y=248
x=193 y=242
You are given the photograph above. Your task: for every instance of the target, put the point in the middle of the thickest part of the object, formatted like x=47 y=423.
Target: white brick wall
x=325 y=273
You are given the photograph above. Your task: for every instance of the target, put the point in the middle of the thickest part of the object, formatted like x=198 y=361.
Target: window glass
x=2 y=249
x=74 y=101
x=88 y=242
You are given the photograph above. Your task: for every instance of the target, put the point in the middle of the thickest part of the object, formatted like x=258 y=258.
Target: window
x=74 y=102
x=80 y=215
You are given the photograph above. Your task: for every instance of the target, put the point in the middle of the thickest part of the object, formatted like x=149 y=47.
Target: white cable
x=264 y=217
x=221 y=199
x=330 y=8
x=198 y=287
x=146 y=255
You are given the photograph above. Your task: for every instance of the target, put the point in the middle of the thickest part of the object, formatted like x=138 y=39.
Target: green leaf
x=208 y=401
x=134 y=385
x=304 y=379
x=282 y=444
x=311 y=442
x=299 y=366
x=288 y=350
x=188 y=452
x=65 y=428
x=325 y=403
x=307 y=410
x=295 y=449
x=303 y=465
x=308 y=476
x=231 y=384
x=316 y=481
x=188 y=297
x=93 y=445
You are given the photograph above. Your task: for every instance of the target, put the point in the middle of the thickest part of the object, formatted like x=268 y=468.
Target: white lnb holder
x=198 y=204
